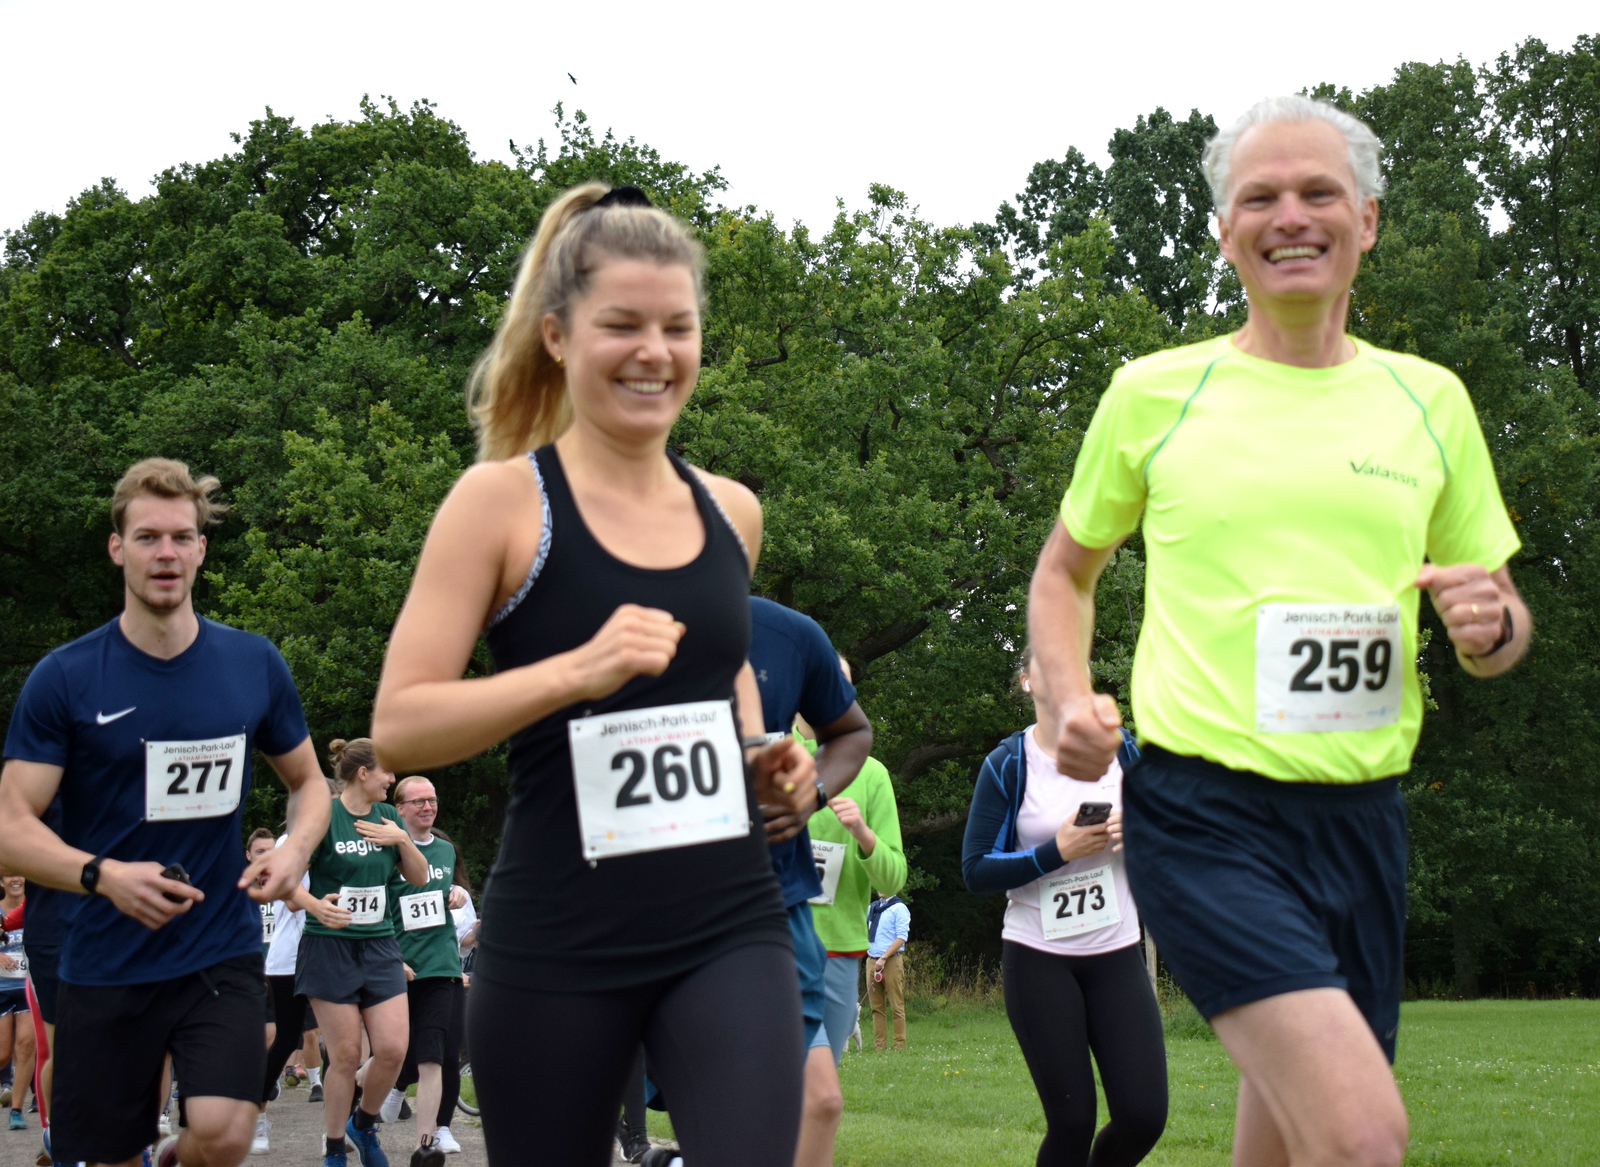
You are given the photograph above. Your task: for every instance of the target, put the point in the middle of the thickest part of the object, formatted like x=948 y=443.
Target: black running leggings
x=289 y=1011
x=725 y=1039
x=1062 y=1008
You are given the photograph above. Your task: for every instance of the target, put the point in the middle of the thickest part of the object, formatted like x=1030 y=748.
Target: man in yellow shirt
x=1299 y=489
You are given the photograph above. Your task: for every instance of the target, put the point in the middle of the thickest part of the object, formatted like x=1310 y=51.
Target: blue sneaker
x=16 y=1122
x=366 y=1142
x=332 y=1158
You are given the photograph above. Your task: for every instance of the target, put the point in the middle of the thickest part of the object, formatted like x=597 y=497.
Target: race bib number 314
x=193 y=780
x=1327 y=668
x=648 y=779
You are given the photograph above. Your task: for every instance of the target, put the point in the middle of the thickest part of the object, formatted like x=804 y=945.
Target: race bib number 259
x=1327 y=668
x=648 y=779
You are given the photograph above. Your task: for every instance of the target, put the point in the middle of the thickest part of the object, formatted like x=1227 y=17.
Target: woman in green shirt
x=349 y=963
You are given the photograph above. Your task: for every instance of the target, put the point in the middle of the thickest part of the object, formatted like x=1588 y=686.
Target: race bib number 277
x=648 y=779
x=1327 y=668
x=193 y=780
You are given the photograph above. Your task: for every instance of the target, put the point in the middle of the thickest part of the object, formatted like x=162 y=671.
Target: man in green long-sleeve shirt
x=856 y=844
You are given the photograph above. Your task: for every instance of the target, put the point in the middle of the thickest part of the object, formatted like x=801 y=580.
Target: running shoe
x=332 y=1158
x=262 y=1143
x=390 y=1110
x=164 y=1125
x=316 y=1093
x=405 y=1109
x=635 y=1148
x=366 y=1144
x=446 y=1141
x=166 y=1152
x=662 y=1157
x=16 y=1122
x=429 y=1156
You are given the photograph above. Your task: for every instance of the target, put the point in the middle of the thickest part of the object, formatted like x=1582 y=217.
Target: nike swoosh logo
x=108 y=718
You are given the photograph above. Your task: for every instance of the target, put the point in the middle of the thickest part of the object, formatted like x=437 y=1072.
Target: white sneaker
x=445 y=1141
x=390 y=1110
x=259 y=1145
x=165 y=1125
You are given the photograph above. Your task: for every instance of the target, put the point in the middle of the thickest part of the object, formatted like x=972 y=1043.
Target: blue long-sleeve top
x=989 y=858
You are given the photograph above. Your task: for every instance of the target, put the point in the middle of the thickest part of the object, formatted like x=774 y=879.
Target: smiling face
x=1294 y=225
x=373 y=782
x=418 y=805
x=15 y=886
x=632 y=348
x=160 y=551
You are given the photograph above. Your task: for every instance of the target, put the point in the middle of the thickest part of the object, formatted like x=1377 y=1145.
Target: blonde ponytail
x=517 y=394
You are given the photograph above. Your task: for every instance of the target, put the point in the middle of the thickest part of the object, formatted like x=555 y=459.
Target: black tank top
x=551 y=920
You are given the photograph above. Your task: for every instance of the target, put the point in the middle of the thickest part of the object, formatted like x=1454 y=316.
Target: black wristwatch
x=1507 y=631
x=822 y=794
x=91 y=874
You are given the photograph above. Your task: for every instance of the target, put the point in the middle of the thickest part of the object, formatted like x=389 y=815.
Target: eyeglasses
x=421 y=802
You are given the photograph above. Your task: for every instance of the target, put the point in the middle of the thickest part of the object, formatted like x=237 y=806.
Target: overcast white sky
x=799 y=104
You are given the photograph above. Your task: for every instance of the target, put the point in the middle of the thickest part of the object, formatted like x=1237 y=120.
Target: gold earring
x=560 y=364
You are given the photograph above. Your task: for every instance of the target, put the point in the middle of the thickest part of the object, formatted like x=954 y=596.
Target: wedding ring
x=1474 y=609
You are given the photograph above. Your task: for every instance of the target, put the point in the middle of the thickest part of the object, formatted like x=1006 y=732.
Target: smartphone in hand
x=1092 y=814
x=176 y=873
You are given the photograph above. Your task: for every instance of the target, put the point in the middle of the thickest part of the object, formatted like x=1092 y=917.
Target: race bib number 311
x=1327 y=668
x=648 y=779
x=193 y=780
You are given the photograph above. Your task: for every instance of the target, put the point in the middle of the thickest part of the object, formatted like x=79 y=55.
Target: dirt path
x=296 y=1138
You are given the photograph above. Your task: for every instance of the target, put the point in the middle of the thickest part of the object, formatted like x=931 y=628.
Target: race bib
x=11 y=947
x=1327 y=668
x=268 y=923
x=1084 y=901
x=365 y=904
x=425 y=909
x=829 y=858
x=193 y=780
x=648 y=779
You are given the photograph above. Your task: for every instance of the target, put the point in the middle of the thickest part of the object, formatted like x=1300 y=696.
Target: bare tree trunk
x=1150 y=957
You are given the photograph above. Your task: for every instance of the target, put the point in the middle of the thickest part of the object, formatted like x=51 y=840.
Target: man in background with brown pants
x=888 y=929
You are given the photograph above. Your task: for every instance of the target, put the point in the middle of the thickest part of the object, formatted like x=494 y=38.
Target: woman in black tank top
x=632 y=898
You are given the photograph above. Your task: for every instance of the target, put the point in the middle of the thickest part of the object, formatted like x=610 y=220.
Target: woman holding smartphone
x=1075 y=984
x=633 y=898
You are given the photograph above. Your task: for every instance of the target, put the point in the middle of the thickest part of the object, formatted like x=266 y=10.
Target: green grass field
x=1485 y=1082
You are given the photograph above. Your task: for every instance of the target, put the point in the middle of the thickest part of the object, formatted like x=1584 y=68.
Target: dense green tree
x=299 y=315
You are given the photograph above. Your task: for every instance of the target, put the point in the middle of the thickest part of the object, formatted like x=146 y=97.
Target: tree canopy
x=298 y=317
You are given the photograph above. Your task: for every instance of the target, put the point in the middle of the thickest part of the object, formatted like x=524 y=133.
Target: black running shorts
x=111 y=1041
x=349 y=972
x=1253 y=888
x=432 y=1002
x=43 y=961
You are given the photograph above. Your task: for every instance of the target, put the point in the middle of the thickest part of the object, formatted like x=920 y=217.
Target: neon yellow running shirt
x=1266 y=484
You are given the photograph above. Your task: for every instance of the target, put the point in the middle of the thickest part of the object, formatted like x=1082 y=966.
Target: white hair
x=1361 y=144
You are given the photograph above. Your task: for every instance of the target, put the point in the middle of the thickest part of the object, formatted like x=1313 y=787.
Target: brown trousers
x=892 y=987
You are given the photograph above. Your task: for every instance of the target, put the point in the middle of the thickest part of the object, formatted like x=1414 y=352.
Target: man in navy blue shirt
x=797 y=671
x=146 y=728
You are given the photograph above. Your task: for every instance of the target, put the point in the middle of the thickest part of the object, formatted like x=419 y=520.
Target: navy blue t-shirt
x=797 y=671
x=48 y=909
x=96 y=707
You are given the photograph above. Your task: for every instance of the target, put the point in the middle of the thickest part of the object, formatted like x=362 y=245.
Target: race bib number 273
x=648 y=779
x=1327 y=668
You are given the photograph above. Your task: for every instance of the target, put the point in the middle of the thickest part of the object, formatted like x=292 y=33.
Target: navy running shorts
x=811 y=961
x=1253 y=887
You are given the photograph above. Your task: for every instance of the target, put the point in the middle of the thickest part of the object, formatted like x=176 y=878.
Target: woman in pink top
x=1075 y=983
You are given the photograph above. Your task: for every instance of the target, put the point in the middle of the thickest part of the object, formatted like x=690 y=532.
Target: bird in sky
x=572 y=79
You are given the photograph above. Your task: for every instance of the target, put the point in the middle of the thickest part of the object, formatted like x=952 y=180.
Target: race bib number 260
x=193 y=780
x=648 y=779
x=1327 y=668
